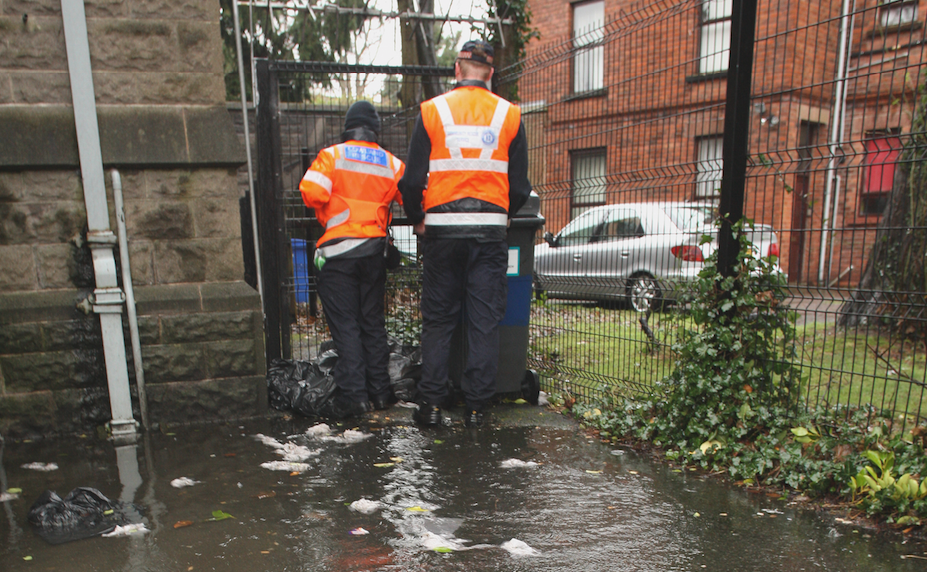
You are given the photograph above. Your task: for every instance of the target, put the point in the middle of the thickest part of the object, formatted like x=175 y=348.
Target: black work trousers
x=352 y=290
x=462 y=277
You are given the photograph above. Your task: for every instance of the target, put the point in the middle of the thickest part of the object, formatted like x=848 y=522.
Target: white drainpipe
x=107 y=298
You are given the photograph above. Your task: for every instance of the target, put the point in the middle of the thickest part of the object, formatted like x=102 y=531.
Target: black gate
x=300 y=111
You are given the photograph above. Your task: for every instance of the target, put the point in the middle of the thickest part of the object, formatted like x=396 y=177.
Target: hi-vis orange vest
x=470 y=129
x=351 y=186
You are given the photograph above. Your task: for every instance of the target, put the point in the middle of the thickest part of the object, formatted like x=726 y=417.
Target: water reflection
x=447 y=500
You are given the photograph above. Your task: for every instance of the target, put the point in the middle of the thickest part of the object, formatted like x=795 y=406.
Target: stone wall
x=157 y=71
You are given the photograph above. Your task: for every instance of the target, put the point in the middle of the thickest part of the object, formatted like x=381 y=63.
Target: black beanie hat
x=362 y=114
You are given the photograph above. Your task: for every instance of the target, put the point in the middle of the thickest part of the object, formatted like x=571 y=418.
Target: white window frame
x=896 y=13
x=588 y=49
x=587 y=176
x=710 y=165
x=714 y=52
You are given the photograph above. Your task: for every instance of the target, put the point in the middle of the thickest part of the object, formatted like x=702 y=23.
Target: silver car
x=635 y=252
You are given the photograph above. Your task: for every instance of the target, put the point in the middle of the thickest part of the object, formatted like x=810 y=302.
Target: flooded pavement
x=530 y=492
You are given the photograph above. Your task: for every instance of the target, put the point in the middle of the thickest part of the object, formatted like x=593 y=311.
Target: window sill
x=883 y=30
x=706 y=77
x=586 y=95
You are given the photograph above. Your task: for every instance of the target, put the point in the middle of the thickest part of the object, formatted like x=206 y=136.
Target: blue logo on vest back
x=366 y=155
x=489 y=137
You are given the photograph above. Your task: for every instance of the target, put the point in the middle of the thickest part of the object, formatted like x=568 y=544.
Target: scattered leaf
x=183 y=523
x=294 y=473
x=263 y=495
x=723 y=514
x=108 y=512
x=697 y=515
x=593 y=472
x=396 y=459
x=27 y=558
x=230 y=454
x=383 y=465
x=265 y=551
x=520 y=401
x=438 y=441
x=14 y=491
x=443 y=550
x=220 y=515
x=359 y=531
x=417 y=509
x=633 y=472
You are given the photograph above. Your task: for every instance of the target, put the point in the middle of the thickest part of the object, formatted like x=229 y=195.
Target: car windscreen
x=691 y=218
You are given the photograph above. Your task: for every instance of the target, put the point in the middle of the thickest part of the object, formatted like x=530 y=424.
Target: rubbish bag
x=307 y=387
x=83 y=513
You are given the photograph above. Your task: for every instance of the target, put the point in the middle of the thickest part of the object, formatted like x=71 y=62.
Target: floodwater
x=536 y=495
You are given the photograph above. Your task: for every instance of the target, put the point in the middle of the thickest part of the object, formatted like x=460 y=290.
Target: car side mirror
x=550 y=239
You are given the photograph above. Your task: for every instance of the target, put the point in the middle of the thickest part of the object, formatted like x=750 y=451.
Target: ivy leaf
x=220 y=515
x=443 y=550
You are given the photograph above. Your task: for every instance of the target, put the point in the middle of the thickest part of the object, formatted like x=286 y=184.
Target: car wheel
x=643 y=293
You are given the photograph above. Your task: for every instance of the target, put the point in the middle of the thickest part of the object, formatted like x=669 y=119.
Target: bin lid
x=531 y=208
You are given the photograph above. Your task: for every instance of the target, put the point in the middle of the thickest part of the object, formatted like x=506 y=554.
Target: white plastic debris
x=352 y=436
x=297 y=453
x=542 y=400
x=516 y=547
x=269 y=441
x=320 y=430
x=517 y=463
x=182 y=482
x=365 y=506
x=127 y=530
x=40 y=466
x=360 y=531
x=286 y=466
x=4 y=497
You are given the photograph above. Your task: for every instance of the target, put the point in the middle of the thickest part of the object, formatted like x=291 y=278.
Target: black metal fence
x=634 y=112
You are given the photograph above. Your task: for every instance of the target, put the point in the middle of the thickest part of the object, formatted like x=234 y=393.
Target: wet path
x=523 y=497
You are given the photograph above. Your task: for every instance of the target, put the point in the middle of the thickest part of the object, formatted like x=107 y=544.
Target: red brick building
x=624 y=101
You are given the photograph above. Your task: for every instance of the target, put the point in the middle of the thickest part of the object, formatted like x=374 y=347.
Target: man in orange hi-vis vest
x=469 y=148
x=351 y=187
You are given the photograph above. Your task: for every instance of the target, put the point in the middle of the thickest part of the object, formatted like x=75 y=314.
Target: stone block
x=58 y=221
x=39 y=87
x=166 y=299
x=37 y=44
x=217 y=218
x=198 y=260
x=230 y=297
x=21 y=338
x=235 y=358
x=200 y=47
x=211 y=400
x=82 y=334
x=43 y=371
x=6 y=88
x=32 y=7
x=39 y=306
x=11 y=185
x=28 y=415
x=169 y=220
x=82 y=410
x=177 y=362
x=177 y=9
x=141 y=261
x=53 y=262
x=159 y=88
x=131 y=45
x=192 y=328
x=107 y=8
x=18 y=266
x=149 y=330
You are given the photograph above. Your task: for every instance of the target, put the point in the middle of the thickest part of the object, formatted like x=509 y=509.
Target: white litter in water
x=617 y=452
x=4 y=497
x=360 y=531
x=516 y=547
x=285 y=466
x=542 y=400
x=432 y=541
x=269 y=441
x=40 y=466
x=365 y=506
x=183 y=482
x=517 y=463
x=127 y=530
x=297 y=453
x=319 y=430
x=352 y=436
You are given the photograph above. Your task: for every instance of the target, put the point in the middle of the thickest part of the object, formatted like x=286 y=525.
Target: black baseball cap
x=478 y=51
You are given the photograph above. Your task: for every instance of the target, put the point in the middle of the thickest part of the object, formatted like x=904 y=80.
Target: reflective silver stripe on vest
x=466 y=219
x=342 y=247
x=490 y=165
x=494 y=127
x=339 y=218
x=319 y=179
x=364 y=168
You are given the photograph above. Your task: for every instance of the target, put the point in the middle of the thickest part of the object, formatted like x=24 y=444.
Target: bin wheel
x=531 y=386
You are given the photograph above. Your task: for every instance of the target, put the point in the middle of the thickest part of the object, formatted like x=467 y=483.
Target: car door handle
x=625 y=253
x=577 y=256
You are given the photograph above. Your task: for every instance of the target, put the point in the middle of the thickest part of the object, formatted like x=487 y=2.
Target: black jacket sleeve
x=519 y=186
x=413 y=181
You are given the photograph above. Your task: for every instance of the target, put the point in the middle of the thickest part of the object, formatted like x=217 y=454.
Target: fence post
x=267 y=134
x=736 y=130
